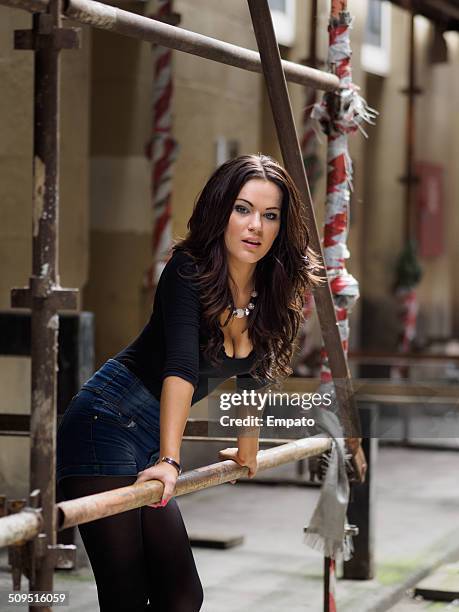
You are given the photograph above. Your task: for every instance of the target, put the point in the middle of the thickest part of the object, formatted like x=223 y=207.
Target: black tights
x=138 y=555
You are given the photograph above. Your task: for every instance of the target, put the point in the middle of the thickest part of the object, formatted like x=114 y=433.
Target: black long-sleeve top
x=169 y=344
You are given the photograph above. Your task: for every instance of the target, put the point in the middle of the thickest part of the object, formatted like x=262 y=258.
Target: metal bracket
x=16 y=553
x=24 y=559
x=47 y=36
x=351 y=530
x=60 y=38
x=63 y=555
x=42 y=288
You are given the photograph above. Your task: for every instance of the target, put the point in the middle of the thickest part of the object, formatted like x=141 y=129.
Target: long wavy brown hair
x=282 y=276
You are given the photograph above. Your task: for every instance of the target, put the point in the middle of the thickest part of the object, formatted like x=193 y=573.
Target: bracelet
x=171 y=461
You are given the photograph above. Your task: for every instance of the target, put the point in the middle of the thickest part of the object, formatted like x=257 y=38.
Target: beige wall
x=210 y=101
x=437 y=130
x=121 y=88
x=436 y=124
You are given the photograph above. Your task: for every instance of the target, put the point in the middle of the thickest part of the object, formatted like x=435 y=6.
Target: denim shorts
x=110 y=428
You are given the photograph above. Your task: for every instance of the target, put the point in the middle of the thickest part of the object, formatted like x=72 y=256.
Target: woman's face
x=254 y=222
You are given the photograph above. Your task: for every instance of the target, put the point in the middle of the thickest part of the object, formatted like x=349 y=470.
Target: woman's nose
x=255 y=222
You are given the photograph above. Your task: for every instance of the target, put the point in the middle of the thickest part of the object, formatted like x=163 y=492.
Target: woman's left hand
x=247 y=461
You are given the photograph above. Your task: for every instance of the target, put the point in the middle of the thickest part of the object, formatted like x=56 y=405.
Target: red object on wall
x=429 y=204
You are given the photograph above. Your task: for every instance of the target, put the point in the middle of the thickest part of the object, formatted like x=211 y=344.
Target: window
x=283 y=14
x=376 y=46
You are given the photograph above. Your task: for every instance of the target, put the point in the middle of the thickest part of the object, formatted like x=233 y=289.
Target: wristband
x=171 y=461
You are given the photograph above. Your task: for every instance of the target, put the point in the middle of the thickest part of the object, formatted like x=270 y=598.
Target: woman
x=228 y=303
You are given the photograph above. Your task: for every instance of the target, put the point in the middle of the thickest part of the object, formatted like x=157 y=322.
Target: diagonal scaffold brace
x=291 y=153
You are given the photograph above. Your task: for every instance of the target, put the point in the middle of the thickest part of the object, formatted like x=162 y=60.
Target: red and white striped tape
x=408 y=308
x=331 y=594
x=162 y=151
x=338 y=118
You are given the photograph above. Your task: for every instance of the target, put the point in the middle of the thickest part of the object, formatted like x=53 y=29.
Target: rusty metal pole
x=410 y=174
x=44 y=295
x=309 y=145
x=408 y=270
x=25 y=524
x=313 y=41
x=108 y=503
x=44 y=320
x=114 y=19
x=291 y=153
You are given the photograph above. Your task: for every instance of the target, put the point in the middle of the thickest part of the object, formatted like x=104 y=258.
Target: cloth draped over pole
x=162 y=150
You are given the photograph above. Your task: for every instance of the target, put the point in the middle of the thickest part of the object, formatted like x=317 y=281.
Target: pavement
x=416 y=528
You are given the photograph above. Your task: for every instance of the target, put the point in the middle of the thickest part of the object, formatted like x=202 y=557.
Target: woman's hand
x=165 y=473
x=249 y=460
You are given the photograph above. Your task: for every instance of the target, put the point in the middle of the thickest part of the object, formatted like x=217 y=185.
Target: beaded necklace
x=239 y=313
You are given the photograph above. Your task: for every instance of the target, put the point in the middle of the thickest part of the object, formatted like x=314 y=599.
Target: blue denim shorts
x=110 y=428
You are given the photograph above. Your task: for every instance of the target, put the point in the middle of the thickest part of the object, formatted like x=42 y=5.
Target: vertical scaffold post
x=44 y=295
x=409 y=272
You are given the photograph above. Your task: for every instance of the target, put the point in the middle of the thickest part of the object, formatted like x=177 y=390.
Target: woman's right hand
x=165 y=473
x=249 y=461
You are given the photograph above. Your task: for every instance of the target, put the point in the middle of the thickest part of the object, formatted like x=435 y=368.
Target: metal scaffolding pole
x=89 y=508
x=114 y=19
x=44 y=295
x=18 y=528
x=92 y=507
x=291 y=153
x=410 y=179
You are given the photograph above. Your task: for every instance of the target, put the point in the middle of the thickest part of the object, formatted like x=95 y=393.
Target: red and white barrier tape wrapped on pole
x=339 y=114
x=409 y=274
x=162 y=151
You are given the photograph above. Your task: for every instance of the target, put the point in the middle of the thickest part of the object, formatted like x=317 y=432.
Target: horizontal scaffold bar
x=20 y=527
x=25 y=525
x=123 y=22
x=92 y=507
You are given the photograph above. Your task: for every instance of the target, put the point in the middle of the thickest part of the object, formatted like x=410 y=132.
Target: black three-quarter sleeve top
x=169 y=344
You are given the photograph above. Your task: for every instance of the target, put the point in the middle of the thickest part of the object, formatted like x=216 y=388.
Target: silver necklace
x=239 y=313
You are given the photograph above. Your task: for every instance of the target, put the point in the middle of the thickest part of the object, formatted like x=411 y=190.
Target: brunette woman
x=228 y=303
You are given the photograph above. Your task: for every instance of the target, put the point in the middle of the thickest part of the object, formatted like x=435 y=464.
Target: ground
x=416 y=527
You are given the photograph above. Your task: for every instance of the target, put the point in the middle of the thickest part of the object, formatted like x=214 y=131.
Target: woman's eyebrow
x=250 y=204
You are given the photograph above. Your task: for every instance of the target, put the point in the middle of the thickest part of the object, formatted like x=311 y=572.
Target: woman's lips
x=251 y=245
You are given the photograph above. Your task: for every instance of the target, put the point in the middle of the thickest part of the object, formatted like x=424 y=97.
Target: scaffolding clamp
x=26 y=557
x=43 y=288
x=47 y=36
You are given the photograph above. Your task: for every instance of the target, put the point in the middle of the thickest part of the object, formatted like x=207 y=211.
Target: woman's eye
x=244 y=210
x=240 y=209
